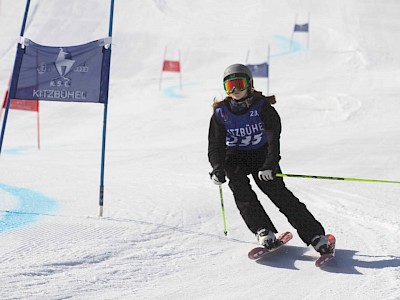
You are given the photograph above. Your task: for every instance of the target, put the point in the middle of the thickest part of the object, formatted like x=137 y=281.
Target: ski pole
x=334 y=178
x=223 y=209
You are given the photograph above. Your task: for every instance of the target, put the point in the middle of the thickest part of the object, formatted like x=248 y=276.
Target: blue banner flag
x=301 y=28
x=70 y=74
x=260 y=70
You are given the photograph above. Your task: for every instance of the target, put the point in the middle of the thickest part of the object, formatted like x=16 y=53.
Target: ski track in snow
x=115 y=243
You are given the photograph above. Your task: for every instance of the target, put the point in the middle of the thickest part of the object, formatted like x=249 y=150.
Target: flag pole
x=180 y=69
x=308 y=32
x=4 y=103
x=162 y=69
x=17 y=65
x=103 y=146
x=38 y=124
x=268 y=70
x=291 y=38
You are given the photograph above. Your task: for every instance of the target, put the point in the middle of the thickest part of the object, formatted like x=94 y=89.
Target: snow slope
x=161 y=236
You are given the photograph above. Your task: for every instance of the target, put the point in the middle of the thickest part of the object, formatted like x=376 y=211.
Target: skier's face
x=237 y=95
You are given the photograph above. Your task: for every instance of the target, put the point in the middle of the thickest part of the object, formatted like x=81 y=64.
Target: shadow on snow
x=345 y=261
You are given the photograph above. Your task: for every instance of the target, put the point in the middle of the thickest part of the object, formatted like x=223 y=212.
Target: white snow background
x=161 y=236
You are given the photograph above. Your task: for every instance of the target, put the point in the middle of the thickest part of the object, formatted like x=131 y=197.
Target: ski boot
x=266 y=238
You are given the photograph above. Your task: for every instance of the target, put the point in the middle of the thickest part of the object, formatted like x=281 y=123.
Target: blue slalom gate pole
x=17 y=66
x=28 y=3
x=103 y=148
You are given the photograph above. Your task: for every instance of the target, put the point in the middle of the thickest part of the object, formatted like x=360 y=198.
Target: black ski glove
x=218 y=176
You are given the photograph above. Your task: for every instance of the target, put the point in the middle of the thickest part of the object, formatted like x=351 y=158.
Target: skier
x=243 y=140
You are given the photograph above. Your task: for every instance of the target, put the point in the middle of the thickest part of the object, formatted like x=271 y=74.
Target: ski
x=324 y=258
x=259 y=252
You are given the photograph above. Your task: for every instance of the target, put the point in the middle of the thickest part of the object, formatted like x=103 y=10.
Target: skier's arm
x=216 y=144
x=272 y=123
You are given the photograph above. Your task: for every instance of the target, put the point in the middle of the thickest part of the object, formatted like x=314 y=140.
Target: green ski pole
x=335 y=178
x=223 y=209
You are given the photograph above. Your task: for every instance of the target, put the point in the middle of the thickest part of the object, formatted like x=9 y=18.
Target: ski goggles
x=235 y=84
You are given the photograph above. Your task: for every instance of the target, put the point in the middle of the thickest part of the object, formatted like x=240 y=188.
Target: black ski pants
x=254 y=214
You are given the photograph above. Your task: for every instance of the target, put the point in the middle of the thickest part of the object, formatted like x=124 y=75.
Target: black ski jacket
x=264 y=158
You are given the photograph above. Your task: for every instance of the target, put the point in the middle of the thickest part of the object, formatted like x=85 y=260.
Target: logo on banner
x=63 y=65
x=42 y=68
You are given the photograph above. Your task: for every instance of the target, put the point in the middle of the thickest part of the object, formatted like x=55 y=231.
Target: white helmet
x=237 y=70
